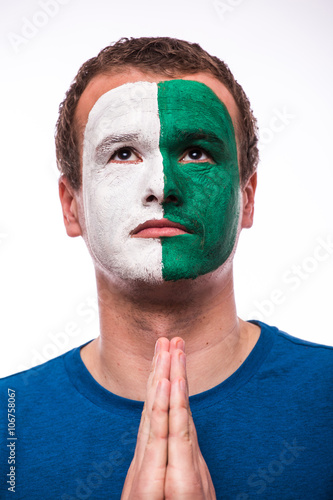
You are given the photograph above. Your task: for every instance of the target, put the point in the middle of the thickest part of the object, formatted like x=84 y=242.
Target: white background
x=280 y=52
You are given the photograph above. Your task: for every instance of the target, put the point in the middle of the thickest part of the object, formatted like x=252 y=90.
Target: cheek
x=103 y=208
x=214 y=195
x=112 y=195
x=224 y=198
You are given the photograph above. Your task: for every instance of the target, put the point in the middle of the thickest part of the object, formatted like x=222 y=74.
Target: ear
x=68 y=199
x=248 y=193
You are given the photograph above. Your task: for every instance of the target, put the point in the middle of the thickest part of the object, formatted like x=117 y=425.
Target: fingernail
x=157 y=347
x=180 y=344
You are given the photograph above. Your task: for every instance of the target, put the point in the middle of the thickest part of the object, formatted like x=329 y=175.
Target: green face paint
x=204 y=196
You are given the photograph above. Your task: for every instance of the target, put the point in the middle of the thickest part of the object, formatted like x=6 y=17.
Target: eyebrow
x=198 y=135
x=104 y=146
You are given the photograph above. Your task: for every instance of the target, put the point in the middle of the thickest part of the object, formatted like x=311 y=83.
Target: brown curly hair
x=159 y=56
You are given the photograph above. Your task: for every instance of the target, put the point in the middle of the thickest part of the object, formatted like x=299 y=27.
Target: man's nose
x=163 y=188
x=170 y=198
x=153 y=190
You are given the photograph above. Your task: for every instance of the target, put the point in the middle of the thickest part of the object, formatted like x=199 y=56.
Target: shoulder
x=286 y=339
x=47 y=374
x=292 y=353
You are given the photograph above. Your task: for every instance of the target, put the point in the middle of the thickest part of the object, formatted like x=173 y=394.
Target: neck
x=203 y=314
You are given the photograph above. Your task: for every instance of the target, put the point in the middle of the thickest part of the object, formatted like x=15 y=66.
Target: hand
x=167 y=462
x=146 y=476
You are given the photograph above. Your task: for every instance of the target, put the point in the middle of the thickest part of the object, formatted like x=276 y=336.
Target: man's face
x=161 y=188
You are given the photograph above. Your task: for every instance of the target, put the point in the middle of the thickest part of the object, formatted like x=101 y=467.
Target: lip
x=157 y=228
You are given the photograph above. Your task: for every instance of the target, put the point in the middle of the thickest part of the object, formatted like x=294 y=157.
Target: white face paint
x=115 y=193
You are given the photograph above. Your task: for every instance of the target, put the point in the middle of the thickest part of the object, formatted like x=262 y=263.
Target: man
x=157 y=147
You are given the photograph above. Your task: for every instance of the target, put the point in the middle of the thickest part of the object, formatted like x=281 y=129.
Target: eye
x=125 y=155
x=195 y=154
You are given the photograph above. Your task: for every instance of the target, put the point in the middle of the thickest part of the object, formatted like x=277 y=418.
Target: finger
x=159 y=423
x=180 y=452
x=187 y=472
x=178 y=365
x=178 y=360
x=153 y=464
x=160 y=367
x=146 y=476
x=176 y=343
x=161 y=345
x=160 y=370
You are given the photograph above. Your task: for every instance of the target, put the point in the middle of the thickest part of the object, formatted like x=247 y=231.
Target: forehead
x=185 y=109
x=103 y=83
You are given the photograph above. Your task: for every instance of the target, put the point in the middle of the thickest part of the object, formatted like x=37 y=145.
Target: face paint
x=160 y=122
x=115 y=193
x=207 y=192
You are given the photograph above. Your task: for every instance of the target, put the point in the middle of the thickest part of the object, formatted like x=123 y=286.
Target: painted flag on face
x=156 y=151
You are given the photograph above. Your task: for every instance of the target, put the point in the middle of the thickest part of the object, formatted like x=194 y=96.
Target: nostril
x=151 y=198
x=172 y=199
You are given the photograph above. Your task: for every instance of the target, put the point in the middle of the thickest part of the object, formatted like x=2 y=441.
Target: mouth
x=158 y=228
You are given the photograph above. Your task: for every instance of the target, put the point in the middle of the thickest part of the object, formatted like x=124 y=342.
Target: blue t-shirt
x=266 y=432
